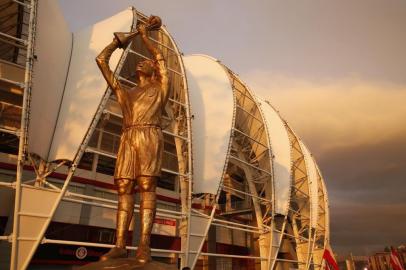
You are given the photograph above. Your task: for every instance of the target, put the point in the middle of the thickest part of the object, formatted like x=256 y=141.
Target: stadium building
x=239 y=188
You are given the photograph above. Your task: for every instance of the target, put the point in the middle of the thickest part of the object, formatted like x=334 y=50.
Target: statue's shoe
x=143 y=256
x=114 y=253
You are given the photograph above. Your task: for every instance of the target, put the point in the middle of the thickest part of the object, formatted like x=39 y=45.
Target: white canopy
x=281 y=152
x=53 y=46
x=64 y=102
x=212 y=105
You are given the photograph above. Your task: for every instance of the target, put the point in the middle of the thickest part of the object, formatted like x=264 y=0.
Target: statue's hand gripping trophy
x=139 y=157
x=124 y=38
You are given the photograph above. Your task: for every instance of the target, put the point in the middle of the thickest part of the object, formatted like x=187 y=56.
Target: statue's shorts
x=140 y=152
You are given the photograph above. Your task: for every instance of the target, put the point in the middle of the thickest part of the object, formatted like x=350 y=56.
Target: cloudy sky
x=336 y=70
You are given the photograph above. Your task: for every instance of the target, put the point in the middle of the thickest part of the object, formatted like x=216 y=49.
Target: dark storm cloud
x=379 y=166
x=367 y=186
x=364 y=228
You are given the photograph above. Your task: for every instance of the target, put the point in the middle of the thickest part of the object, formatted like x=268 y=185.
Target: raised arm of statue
x=159 y=61
x=102 y=61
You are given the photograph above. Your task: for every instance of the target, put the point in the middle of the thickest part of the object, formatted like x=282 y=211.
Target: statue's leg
x=147 y=187
x=125 y=190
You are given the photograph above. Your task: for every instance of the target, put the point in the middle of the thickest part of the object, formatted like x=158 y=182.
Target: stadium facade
x=240 y=190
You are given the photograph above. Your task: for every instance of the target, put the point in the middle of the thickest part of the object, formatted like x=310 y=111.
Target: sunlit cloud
x=335 y=112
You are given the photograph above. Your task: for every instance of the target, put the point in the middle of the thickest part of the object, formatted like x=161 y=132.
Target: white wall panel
x=85 y=85
x=312 y=178
x=102 y=217
x=53 y=48
x=212 y=105
x=68 y=212
x=281 y=150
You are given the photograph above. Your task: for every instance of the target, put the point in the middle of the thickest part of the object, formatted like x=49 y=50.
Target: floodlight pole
x=25 y=115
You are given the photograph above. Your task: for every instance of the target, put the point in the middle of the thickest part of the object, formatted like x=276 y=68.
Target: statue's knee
x=124 y=186
x=147 y=183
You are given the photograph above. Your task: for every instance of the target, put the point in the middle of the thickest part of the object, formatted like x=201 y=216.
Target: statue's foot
x=143 y=256
x=114 y=253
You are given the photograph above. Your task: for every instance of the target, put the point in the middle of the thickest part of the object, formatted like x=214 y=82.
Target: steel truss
x=300 y=206
x=255 y=156
x=321 y=235
x=249 y=151
x=17 y=38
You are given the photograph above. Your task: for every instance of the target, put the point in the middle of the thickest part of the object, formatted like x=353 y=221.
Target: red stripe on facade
x=87 y=181
x=82 y=180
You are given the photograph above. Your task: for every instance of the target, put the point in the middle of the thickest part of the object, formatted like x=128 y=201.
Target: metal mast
x=25 y=115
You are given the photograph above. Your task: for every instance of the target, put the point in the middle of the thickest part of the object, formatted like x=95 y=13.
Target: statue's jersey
x=141 y=143
x=141 y=107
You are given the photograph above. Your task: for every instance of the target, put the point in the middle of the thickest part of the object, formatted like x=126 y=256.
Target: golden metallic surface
x=139 y=157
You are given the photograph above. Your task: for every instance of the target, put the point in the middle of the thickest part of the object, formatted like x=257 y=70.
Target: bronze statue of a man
x=139 y=156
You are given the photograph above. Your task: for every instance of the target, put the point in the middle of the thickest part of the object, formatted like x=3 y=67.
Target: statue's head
x=146 y=68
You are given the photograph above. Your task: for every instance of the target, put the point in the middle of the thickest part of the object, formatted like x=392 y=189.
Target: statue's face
x=145 y=67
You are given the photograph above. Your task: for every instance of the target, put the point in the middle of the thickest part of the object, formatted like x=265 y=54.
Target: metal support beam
x=24 y=127
x=20 y=85
x=25 y=42
x=77 y=243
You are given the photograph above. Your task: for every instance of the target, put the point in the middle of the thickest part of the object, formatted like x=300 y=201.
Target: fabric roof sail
x=280 y=147
x=212 y=103
x=72 y=95
x=53 y=49
x=85 y=85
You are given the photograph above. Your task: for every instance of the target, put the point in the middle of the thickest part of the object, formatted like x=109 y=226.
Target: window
x=10 y=110
x=106 y=236
x=167 y=181
x=86 y=161
x=8 y=143
x=94 y=139
x=106 y=165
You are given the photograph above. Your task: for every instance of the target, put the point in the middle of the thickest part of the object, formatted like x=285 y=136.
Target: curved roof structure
x=266 y=161
x=281 y=155
x=60 y=118
x=212 y=97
